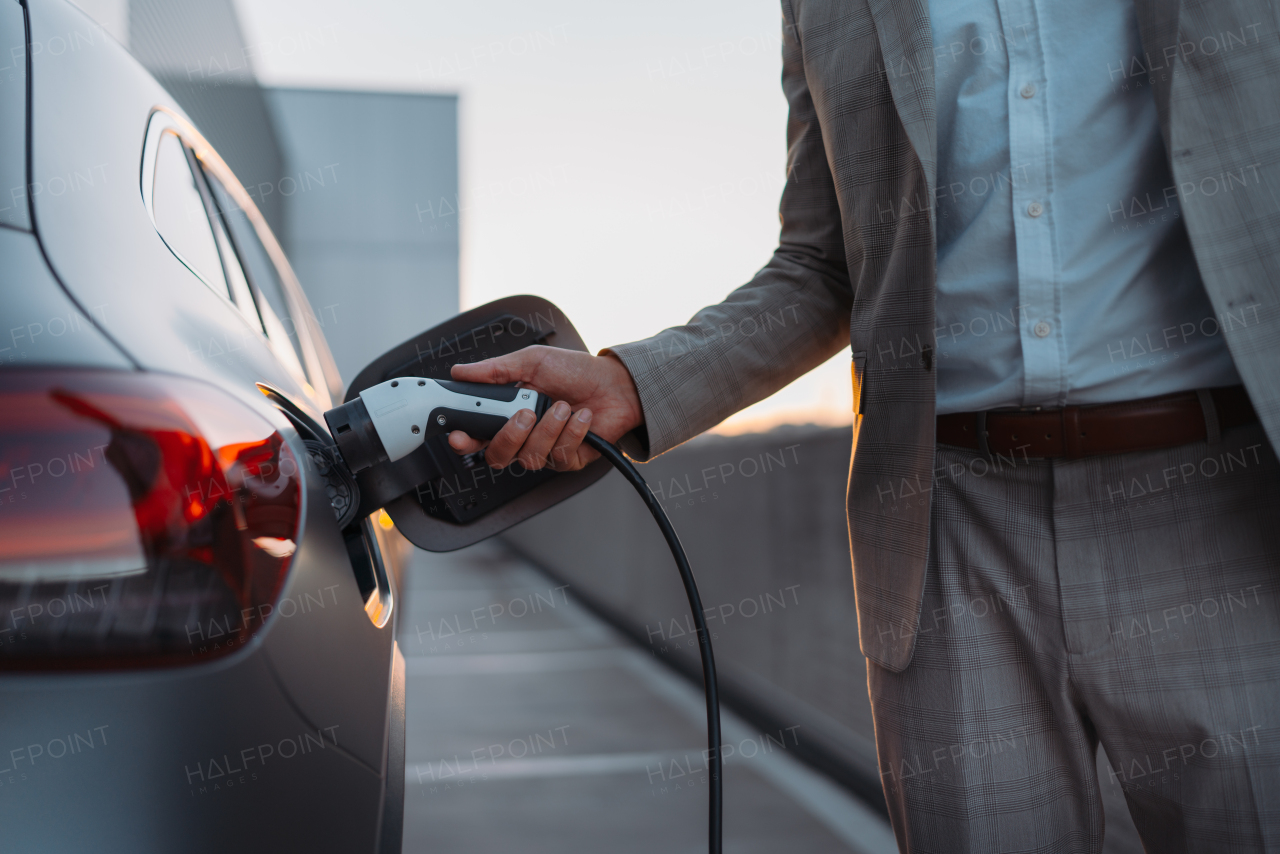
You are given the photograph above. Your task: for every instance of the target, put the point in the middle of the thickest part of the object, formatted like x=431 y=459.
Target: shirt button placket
x=1030 y=152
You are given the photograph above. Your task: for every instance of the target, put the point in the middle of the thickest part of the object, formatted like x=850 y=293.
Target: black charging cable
x=716 y=793
x=363 y=442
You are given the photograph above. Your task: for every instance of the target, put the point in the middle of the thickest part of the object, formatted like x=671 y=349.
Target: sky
x=622 y=160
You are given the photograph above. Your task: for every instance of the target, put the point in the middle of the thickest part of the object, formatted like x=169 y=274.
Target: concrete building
x=365 y=177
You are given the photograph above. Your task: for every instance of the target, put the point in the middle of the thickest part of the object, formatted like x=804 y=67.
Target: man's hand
x=591 y=392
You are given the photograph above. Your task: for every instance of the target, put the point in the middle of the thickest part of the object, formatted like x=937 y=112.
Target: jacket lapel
x=906 y=42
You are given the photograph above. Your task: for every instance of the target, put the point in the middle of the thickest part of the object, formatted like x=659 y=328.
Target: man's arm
x=792 y=316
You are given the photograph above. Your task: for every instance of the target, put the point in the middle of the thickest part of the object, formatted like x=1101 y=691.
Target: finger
x=533 y=455
x=567 y=454
x=461 y=443
x=503 y=447
x=511 y=368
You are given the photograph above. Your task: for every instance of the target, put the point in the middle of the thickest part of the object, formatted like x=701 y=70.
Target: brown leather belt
x=1104 y=428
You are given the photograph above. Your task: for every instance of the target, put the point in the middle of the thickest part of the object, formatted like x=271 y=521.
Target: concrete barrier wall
x=762 y=519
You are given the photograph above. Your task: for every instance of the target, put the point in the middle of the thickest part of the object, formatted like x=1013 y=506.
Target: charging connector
x=388 y=421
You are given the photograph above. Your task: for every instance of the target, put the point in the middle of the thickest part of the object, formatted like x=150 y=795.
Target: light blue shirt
x=1064 y=270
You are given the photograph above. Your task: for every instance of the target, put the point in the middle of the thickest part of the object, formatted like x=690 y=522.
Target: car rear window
x=181 y=217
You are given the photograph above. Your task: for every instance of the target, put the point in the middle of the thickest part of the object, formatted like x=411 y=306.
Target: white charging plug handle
x=402 y=410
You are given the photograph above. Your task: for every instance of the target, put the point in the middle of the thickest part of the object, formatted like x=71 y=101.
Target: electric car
x=196 y=645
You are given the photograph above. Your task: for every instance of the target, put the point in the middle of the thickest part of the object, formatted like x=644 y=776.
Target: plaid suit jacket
x=855 y=261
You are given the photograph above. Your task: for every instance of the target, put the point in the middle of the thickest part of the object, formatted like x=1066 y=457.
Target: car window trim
x=228 y=252
x=150 y=157
x=228 y=232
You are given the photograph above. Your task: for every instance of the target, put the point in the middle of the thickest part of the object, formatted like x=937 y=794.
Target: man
x=1051 y=233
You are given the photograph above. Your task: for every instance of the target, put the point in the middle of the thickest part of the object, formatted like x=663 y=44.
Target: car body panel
x=13 y=121
x=318 y=664
x=39 y=324
x=95 y=264
x=135 y=782
x=153 y=307
x=323 y=646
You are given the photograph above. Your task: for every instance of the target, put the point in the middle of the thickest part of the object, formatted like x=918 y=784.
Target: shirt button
x=1042 y=329
x=1028 y=91
x=1035 y=209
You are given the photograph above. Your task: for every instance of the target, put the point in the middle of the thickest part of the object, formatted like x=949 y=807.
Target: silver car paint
x=41 y=325
x=324 y=668
x=13 y=117
x=89 y=114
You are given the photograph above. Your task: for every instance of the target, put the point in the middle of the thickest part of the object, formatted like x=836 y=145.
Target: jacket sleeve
x=791 y=317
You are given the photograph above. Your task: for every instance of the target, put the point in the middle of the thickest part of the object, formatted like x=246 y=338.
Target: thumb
x=510 y=368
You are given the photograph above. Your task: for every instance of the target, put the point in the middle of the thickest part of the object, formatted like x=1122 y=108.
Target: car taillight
x=145 y=519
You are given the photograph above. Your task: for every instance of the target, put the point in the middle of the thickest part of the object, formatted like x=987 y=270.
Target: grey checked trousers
x=1129 y=600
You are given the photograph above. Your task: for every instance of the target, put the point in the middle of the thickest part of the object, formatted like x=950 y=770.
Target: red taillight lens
x=144 y=519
